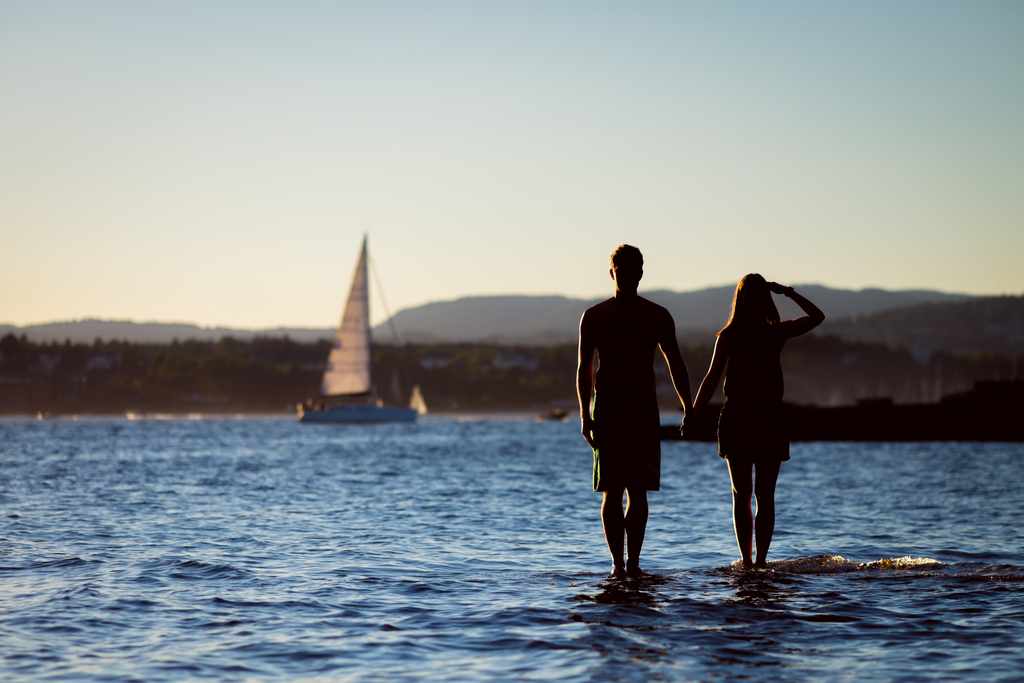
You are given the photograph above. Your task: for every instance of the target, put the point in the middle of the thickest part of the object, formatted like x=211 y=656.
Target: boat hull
x=356 y=414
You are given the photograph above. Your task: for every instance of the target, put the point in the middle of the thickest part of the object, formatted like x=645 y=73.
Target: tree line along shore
x=272 y=374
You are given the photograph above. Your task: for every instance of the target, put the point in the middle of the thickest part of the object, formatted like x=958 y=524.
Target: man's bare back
x=627 y=331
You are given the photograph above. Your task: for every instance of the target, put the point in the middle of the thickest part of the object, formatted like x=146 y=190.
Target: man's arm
x=585 y=378
x=676 y=367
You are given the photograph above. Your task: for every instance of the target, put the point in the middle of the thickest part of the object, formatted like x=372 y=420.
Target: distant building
x=435 y=362
x=515 y=361
x=46 y=363
x=102 y=361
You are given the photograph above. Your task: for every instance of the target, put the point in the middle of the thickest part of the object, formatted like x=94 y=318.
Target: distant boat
x=554 y=415
x=417 y=402
x=346 y=390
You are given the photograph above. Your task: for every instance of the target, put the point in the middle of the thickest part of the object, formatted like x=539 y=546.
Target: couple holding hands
x=618 y=339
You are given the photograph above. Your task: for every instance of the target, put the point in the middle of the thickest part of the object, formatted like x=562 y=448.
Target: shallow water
x=471 y=550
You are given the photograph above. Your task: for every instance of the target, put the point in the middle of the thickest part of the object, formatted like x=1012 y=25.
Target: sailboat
x=346 y=390
x=417 y=402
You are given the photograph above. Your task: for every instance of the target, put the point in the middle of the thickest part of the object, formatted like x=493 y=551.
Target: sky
x=218 y=163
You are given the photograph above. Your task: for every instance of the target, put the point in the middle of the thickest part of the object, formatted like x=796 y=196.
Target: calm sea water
x=471 y=550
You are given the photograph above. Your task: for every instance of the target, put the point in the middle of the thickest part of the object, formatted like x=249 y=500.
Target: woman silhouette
x=752 y=437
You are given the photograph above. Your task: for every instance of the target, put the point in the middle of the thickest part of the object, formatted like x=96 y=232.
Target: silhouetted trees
x=271 y=374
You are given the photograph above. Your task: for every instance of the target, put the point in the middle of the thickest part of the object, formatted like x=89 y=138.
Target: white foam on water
x=837 y=564
x=905 y=562
x=814 y=564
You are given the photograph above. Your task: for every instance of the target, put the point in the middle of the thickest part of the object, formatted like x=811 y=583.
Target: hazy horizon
x=207 y=163
x=380 y=319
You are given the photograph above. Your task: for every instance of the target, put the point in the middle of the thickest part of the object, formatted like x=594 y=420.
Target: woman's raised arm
x=794 y=328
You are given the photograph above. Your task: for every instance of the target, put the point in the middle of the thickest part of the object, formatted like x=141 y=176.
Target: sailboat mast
x=364 y=264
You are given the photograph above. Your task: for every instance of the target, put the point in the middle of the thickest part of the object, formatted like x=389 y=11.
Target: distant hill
x=88 y=329
x=988 y=325
x=554 y=319
x=519 y=319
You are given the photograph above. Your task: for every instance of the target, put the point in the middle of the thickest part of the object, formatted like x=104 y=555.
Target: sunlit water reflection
x=462 y=550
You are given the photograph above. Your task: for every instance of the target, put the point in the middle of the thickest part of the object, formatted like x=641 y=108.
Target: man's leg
x=764 y=523
x=614 y=527
x=740 y=476
x=636 y=525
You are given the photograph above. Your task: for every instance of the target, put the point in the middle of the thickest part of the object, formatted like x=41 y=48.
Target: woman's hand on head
x=776 y=288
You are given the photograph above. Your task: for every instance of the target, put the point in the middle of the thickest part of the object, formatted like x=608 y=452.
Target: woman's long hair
x=752 y=304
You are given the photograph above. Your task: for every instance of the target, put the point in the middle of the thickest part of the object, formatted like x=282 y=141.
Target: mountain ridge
x=554 y=319
x=865 y=314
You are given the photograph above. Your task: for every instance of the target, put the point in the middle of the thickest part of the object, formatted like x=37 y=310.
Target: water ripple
x=452 y=550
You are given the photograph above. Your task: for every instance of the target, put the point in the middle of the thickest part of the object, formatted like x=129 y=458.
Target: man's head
x=627 y=267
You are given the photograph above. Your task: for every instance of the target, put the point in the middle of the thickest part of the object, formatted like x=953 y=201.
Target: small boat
x=417 y=402
x=346 y=391
x=554 y=415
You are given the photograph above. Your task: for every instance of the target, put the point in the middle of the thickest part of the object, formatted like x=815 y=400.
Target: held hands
x=688 y=425
x=587 y=430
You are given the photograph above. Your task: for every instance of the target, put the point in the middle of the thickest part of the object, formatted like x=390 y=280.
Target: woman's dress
x=752 y=424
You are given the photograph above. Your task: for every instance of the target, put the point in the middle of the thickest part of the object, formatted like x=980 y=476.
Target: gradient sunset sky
x=219 y=162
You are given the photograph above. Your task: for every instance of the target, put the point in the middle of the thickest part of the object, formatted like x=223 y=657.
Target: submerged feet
x=631 y=571
x=747 y=565
x=742 y=565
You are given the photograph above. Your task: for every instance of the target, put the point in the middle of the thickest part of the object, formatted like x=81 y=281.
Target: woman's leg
x=764 y=489
x=740 y=477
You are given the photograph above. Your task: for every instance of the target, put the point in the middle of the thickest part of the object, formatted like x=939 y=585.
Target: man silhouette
x=623 y=333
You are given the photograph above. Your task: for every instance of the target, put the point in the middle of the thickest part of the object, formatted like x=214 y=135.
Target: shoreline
x=130 y=416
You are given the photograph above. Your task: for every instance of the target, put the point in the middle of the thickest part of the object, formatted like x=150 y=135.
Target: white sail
x=348 y=365
x=417 y=402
